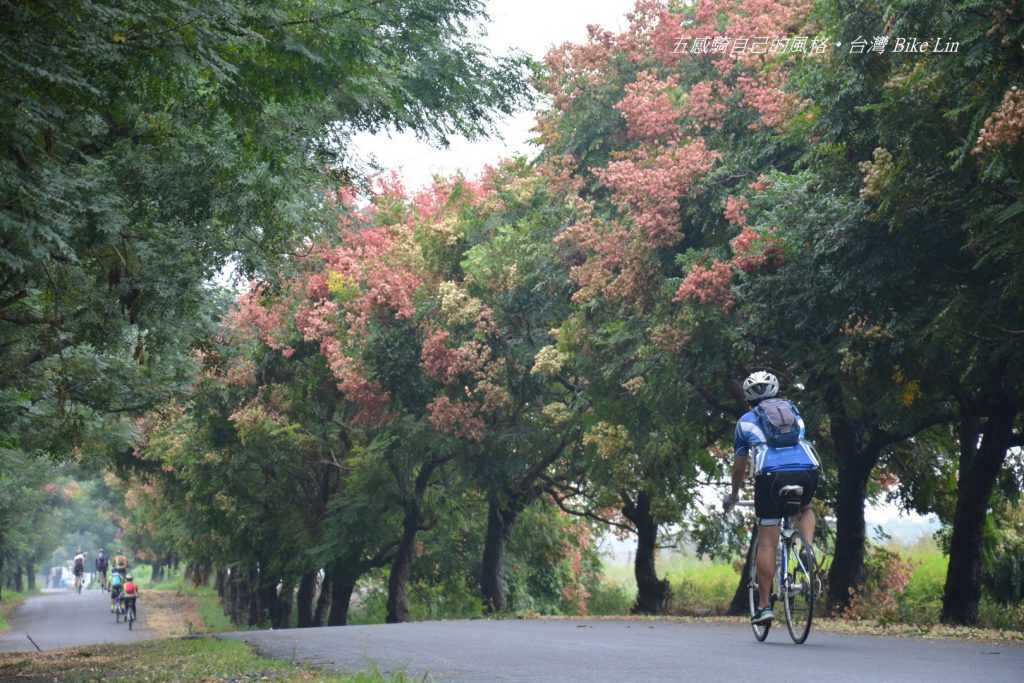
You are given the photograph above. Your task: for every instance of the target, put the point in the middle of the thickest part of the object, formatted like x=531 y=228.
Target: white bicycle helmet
x=761 y=384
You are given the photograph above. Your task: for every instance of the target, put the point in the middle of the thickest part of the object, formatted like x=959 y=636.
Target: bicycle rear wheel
x=131 y=617
x=760 y=630
x=800 y=590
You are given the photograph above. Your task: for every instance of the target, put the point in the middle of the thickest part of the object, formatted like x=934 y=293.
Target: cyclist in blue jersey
x=771 y=434
x=116 y=585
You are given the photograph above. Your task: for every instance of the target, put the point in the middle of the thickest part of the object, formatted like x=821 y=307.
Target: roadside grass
x=699 y=587
x=206 y=614
x=9 y=603
x=186 y=659
x=705 y=588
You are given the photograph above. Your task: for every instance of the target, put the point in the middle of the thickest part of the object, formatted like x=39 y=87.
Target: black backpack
x=779 y=421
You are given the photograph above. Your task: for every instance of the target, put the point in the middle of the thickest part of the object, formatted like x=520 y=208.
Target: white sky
x=533 y=26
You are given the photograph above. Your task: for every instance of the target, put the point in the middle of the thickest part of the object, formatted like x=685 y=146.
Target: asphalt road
x=618 y=651
x=58 y=619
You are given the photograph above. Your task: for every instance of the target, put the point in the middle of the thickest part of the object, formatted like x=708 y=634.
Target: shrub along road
x=65 y=619
x=615 y=651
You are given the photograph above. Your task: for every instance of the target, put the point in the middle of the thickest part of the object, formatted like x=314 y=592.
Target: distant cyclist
x=129 y=594
x=772 y=433
x=101 y=567
x=78 y=569
x=121 y=565
x=116 y=586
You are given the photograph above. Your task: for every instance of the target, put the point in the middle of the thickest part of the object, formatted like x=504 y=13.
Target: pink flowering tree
x=662 y=136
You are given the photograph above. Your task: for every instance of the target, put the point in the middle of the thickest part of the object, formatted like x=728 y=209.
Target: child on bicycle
x=129 y=594
x=772 y=433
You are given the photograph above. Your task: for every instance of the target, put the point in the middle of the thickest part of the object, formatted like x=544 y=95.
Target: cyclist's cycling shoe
x=762 y=616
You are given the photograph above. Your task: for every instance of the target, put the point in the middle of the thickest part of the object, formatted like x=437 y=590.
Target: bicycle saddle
x=791 y=491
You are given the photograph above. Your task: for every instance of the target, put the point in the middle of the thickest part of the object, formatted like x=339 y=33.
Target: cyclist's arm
x=739 y=463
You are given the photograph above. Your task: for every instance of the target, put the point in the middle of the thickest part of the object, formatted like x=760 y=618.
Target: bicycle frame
x=787 y=538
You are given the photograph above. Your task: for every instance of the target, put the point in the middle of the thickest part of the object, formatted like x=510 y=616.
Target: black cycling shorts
x=768 y=503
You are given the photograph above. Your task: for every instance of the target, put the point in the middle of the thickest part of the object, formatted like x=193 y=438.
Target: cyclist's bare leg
x=805 y=522
x=767 y=546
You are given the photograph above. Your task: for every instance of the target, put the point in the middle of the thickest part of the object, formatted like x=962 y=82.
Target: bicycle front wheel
x=760 y=630
x=800 y=590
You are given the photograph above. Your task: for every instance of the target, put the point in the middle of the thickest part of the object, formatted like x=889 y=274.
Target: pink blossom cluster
x=1005 y=126
x=755 y=250
x=250 y=318
x=648 y=109
x=371 y=398
x=708 y=285
x=317 y=320
x=647 y=185
x=752 y=250
x=734 y=208
x=765 y=94
x=460 y=418
x=618 y=264
x=446 y=364
x=704 y=103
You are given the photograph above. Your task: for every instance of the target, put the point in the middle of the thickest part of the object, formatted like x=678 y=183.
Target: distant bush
x=886 y=576
x=610 y=598
x=1003 y=558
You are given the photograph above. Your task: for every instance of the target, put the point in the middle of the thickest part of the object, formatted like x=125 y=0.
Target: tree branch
x=589 y=515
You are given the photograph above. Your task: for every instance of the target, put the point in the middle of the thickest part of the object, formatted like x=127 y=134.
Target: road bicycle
x=794 y=582
x=118 y=610
x=78 y=583
x=129 y=612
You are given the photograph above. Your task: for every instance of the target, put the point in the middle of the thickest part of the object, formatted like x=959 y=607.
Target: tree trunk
x=342 y=585
x=158 y=571
x=219 y=582
x=401 y=567
x=323 y=600
x=281 y=606
x=740 y=604
x=652 y=594
x=238 y=595
x=30 y=571
x=979 y=468
x=857 y=456
x=500 y=520
x=17 y=582
x=847 y=571
x=304 y=599
x=254 y=604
